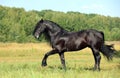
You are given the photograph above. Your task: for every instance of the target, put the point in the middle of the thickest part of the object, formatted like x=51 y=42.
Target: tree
x=16 y=24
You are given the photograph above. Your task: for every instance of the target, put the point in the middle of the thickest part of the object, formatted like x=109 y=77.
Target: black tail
x=108 y=51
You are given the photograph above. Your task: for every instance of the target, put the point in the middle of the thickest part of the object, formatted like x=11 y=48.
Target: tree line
x=16 y=24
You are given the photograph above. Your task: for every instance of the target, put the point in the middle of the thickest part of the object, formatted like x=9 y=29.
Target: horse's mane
x=53 y=24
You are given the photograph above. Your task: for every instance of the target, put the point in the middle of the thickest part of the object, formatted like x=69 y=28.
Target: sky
x=102 y=7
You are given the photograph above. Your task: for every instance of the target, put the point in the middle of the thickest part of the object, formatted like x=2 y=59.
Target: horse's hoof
x=95 y=69
x=43 y=65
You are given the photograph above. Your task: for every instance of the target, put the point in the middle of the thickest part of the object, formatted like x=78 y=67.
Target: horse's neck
x=54 y=33
x=54 y=30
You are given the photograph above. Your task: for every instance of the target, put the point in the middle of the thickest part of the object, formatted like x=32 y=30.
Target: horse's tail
x=108 y=51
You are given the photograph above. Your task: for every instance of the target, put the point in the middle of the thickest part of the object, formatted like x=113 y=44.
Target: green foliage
x=16 y=24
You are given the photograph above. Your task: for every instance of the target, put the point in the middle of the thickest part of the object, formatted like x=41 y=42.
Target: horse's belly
x=76 y=46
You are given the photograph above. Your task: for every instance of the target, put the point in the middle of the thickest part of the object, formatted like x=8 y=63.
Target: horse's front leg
x=44 y=61
x=62 y=60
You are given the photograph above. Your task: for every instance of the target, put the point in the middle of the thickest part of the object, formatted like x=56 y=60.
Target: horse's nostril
x=37 y=36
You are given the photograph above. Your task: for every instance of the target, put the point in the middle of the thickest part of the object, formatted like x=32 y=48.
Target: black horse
x=64 y=41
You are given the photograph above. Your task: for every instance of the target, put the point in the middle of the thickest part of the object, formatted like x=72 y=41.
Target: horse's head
x=47 y=27
x=39 y=28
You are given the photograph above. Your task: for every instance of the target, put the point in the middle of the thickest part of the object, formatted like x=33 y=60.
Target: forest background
x=17 y=24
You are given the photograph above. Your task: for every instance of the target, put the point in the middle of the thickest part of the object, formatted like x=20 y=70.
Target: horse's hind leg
x=97 y=58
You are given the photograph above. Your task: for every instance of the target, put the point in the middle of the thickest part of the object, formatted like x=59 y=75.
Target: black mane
x=54 y=25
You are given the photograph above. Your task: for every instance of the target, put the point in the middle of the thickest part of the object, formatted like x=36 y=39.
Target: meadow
x=23 y=60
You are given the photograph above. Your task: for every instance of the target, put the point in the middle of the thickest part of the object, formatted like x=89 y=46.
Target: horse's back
x=94 y=38
x=96 y=33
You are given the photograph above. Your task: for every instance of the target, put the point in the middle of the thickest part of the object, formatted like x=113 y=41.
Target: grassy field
x=24 y=61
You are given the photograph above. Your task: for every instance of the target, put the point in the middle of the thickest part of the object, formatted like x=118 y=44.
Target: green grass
x=33 y=70
x=24 y=61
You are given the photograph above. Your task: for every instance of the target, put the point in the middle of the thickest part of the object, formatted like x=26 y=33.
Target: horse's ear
x=41 y=21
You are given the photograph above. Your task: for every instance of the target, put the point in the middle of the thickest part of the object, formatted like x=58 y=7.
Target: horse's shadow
x=71 y=68
x=79 y=69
